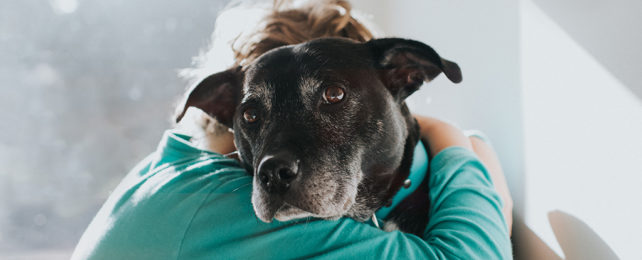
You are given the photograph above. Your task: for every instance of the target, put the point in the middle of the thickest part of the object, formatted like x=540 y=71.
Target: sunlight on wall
x=582 y=138
x=64 y=6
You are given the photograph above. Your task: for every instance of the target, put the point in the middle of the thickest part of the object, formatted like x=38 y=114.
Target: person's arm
x=489 y=158
x=466 y=219
x=183 y=203
x=441 y=134
x=466 y=223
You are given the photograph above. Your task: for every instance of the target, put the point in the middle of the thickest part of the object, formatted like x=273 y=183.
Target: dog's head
x=322 y=125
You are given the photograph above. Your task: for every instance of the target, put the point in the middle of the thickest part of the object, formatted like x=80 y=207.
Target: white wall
x=610 y=30
x=583 y=138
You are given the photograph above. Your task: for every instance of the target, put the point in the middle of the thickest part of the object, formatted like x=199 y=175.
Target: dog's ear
x=217 y=95
x=405 y=64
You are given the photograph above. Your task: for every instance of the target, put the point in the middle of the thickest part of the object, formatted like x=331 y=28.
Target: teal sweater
x=185 y=203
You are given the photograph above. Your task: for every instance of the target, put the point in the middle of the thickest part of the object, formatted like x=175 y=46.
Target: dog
x=324 y=129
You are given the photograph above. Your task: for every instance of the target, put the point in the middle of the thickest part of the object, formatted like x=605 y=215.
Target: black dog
x=324 y=128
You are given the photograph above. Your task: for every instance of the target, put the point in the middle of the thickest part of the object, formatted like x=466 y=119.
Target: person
x=188 y=201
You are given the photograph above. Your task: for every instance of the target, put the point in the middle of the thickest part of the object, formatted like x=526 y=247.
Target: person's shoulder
x=152 y=208
x=177 y=166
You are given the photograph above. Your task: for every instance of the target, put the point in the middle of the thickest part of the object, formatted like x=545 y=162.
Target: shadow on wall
x=576 y=238
x=617 y=49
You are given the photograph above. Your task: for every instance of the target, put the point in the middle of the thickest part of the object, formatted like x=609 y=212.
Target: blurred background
x=88 y=87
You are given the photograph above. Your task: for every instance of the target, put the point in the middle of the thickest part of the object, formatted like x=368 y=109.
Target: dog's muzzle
x=286 y=188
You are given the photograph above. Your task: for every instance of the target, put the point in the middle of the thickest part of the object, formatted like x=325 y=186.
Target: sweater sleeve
x=466 y=222
x=200 y=208
x=466 y=214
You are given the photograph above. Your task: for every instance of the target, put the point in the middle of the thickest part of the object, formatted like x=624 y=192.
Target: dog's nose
x=277 y=172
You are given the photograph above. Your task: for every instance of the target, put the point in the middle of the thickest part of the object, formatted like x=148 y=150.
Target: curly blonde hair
x=286 y=25
x=284 y=22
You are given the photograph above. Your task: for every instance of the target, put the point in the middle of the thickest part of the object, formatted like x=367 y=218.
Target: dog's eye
x=250 y=115
x=333 y=94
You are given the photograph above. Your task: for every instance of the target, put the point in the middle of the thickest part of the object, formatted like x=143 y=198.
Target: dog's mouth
x=289 y=212
x=269 y=207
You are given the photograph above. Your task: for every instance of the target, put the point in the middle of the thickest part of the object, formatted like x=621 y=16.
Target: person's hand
x=441 y=135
